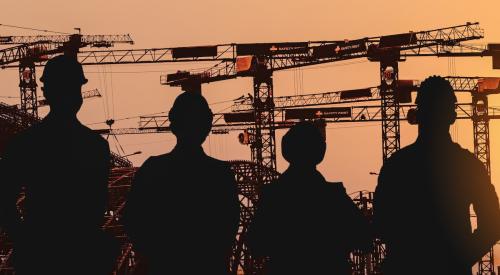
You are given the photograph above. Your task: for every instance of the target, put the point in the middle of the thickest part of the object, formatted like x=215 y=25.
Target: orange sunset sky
x=353 y=151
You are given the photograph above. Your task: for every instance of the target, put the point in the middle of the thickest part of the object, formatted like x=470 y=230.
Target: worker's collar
x=189 y=151
x=309 y=174
x=434 y=140
x=61 y=120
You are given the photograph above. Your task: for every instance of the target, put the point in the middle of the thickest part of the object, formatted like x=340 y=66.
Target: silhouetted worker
x=62 y=168
x=304 y=224
x=424 y=194
x=183 y=210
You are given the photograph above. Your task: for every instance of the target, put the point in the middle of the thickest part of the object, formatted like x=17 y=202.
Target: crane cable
x=109 y=111
x=103 y=91
x=112 y=92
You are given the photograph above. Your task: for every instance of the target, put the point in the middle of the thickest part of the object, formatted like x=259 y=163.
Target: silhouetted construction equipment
x=259 y=61
x=37 y=49
x=262 y=59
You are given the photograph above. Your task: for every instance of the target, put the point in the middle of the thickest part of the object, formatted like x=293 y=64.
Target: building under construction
x=259 y=115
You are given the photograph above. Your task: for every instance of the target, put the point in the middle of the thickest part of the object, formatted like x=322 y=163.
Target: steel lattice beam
x=438 y=42
x=85 y=95
x=98 y=40
x=359 y=114
x=459 y=84
x=480 y=121
x=264 y=145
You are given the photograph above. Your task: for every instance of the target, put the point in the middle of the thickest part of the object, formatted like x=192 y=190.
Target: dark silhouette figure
x=183 y=210
x=304 y=224
x=424 y=193
x=62 y=168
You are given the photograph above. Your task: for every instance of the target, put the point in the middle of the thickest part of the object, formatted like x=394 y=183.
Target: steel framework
x=85 y=94
x=388 y=50
x=480 y=121
x=38 y=49
x=367 y=263
x=478 y=111
x=438 y=42
x=97 y=40
x=264 y=148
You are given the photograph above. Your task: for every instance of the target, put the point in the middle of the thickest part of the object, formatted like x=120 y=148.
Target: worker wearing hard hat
x=184 y=204
x=424 y=193
x=62 y=167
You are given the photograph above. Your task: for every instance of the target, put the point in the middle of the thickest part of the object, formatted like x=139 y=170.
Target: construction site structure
x=290 y=109
x=34 y=49
x=260 y=61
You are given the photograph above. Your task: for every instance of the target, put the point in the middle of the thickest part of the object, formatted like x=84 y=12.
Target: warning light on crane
x=388 y=75
x=26 y=75
x=244 y=138
x=481 y=108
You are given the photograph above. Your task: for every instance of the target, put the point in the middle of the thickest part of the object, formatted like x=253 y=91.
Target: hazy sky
x=354 y=150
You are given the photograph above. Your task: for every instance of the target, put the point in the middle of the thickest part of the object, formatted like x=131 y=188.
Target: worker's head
x=62 y=84
x=303 y=145
x=190 y=119
x=435 y=105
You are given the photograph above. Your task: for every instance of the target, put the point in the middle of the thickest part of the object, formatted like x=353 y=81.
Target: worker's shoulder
x=405 y=152
x=402 y=156
x=26 y=136
x=467 y=157
x=158 y=160
x=217 y=163
x=92 y=136
x=272 y=189
x=170 y=157
x=336 y=187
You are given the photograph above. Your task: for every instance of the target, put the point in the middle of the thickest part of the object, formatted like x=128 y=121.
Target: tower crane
x=34 y=49
x=260 y=60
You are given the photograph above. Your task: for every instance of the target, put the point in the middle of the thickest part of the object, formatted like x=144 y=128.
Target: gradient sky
x=354 y=150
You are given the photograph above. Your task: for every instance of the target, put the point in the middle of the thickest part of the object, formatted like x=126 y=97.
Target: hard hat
x=64 y=69
x=435 y=89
